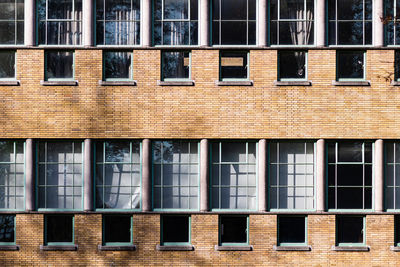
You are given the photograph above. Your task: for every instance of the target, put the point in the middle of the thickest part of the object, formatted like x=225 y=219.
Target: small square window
x=350 y=65
x=117 y=65
x=175 y=65
x=59 y=65
x=233 y=230
x=175 y=230
x=292 y=65
x=59 y=229
x=7 y=65
x=234 y=65
x=292 y=230
x=7 y=229
x=117 y=229
x=350 y=230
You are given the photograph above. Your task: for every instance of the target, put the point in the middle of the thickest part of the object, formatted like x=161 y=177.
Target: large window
x=233 y=175
x=117 y=65
x=118 y=22
x=291 y=175
x=292 y=22
x=59 y=65
x=60 y=175
x=391 y=21
x=12 y=22
x=175 y=22
x=175 y=65
x=7 y=65
x=12 y=176
x=350 y=175
x=350 y=22
x=176 y=175
x=234 y=24
x=350 y=65
x=118 y=179
x=392 y=173
x=60 y=22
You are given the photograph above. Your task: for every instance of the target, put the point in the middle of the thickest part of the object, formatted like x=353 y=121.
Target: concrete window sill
x=234 y=248
x=351 y=83
x=395 y=248
x=59 y=248
x=350 y=248
x=395 y=83
x=10 y=83
x=292 y=248
x=117 y=248
x=292 y=83
x=176 y=83
x=175 y=248
x=59 y=83
x=234 y=83
x=117 y=83
x=9 y=248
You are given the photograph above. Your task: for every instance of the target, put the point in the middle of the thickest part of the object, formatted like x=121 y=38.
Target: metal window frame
x=246 y=217
x=14 y=52
x=163 y=64
x=15 y=21
x=103 y=223
x=396 y=28
x=340 y=52
x=15 y=231
x=189 y=217
x=305 y=243
x=104 y=65
x=46 y=216
x=247 y=65
x=337 y=231
x=46 y=64
x=305 y=66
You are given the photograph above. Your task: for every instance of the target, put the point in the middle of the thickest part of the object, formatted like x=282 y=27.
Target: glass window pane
x=175 y=229
x=176 y=9
x=233 y=229
x=233 y=65
x=291 y=229
x=350 y=229
x=7 y=229
x=176 y=65
x=350 y=32
x=236 y=11
x=292 y=65
x=350 y=65
x=59 y=228
x=117 y=229
x=118 y=65
x=59 y=65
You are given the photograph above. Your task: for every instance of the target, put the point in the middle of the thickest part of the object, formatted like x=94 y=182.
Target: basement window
x=7 y=65
x=292 y=230
x=176 y=65
x=175 y=230
x=234 y=65
x=117 y=65
x=59 y=230
x=59 y=65
x=7 y=229
x=350 y=230
x=350 y=65
x=117 y=230
x=233 y=230
x=292 y=65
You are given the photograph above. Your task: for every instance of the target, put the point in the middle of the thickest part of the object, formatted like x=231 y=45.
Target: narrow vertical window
x=175 y=230
x=7 y=65
x=59 y=22
x=118 y=175
x=291 y=22
x=59 y=65
x=233 y=230
x=118 y=22
x=117 y=65
x=12 y=22
x=391 y=21
x=397 y=65
x=175 y=65
x=176 y=22
x=350 y=230
x=59 y=230
x=234 y=65
x=117 y=230
x=392 y=175
x=7 y=229
x=397 y=230
x=350 y=65
x=292 y=230
x=292 y=65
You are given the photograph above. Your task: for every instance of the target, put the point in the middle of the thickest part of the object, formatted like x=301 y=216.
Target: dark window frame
x=305 y=243
x=14 y=77
x=14 y=229
x=167 y=79
x=46 y=65
x=239 y=52
x=340 y=52
x=280 y=52
x=162 y=230
x=104 y=241
x=46 y=217
x=220 y=241
x=344 y=244
x=130 y=71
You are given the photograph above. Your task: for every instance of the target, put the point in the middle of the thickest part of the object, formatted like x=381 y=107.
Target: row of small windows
x=175 y=172
x=291 y=22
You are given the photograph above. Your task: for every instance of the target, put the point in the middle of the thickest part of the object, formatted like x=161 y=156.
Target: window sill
x=350 y=248
x=175 y=248
x=395 y=83
x=395 y=248
x=117 y=248
x=175 y=83
x=351 y=83
x=10 y=83
x=292 y=248
x=59 y=83
x=9 y=248
x=292 y=83
x=117 y=83
x=234 y=248
x=234 y=83
x=59 y=248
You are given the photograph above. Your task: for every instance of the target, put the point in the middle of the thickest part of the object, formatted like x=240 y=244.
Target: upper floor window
x=350 y=22
x=234 y=23
x=292 y=22
x=392 y=173
x=391 y=20
x=60 y=22
x=118 y=22
x=7 y=65
x=12 y=22
x=175 y=22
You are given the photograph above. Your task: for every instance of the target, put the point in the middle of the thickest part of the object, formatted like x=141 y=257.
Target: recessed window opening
x=59 y=65
x=7 y=229
x=117 y=229
x=234 y=65
x=175 y=229
x=292 y=230
x=350 y=230
x=292 y=65
x=59 y=229
x=175 y=65
x=233 y=229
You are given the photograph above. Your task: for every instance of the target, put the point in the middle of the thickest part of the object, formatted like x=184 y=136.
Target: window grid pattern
x=118 y=175
x=12 y=175
x=391 y=21
x=176 y=175
x=118 y=23
x=392 y=175
x=12 y=22
x=291 y=175
x=60 y=171
x=234 y=182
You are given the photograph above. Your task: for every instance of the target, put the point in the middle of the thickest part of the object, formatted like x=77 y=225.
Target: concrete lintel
x=175 y=248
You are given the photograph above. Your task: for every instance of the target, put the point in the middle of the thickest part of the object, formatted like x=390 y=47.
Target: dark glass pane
x=233 y=152
x=368 y=152
x=176 y=33
x=158 y=10
x=351 y=65
x=176 y=9
x=233 y=33
x=157 y=33
x=252 y=33
x=215 y=33
x=350 y=198
x=273 y=9
x=117 y=229
x=20 y=32
x=60 y=33
x=331 y=198
x=233 y=65
x=194 y=33
x=59 y=64
x=310 y=9
x=7 y=65
x=368 y=33
x=41 y=9
x=118 y=10
x=7 y=10
x=291 y=9
x=350 y=229
x=368 y=198
x=350 y=9
x=233 y=229
x=121 y=33
x=350 y=33
x=99 y=10
x=252 y=9
x=59 y=228
x=368 y=175
x=368 y=10
x=332 y=33
x=175 y=229
x=236 y=11
x=331 y=9
x=176 y=65
x=296 y=33
x=331 y=152
x=349 y=174
x=117 y=151
x=7 y=227
x=331 y=175
x=292 y=64
x=117 y=65
x=215 y=9
x=100 y=33
x=59 y=9
x=291 y=229
x=7 y=32
x=194 y=10
x=397 y=229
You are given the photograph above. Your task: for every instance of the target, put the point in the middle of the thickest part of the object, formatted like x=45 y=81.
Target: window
x=118 y=175
x=59 y=22
x=292 y=230
x=350 y=175
x=117 y=230
x=397 y=230
x=176 y=22
x=350 y=230
x=12 y=175
x=12 y=22
x=234 y=65
x=292 y=65
x=233 y=175
x=233 y=230
x=175 y=230
x=392 y=173
x=391 y=21
x=60 y=175
x=118 y=22
x=7 y=229
x=291 y=174
x=350 y=22
x=59 y=230
x=234 y=24
x=176 y=175
x=59 y=65
x=350 y=65
x=397 y=65
x=117 y=65
x=7 y=64
x=175 y=65
x=291 y=22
